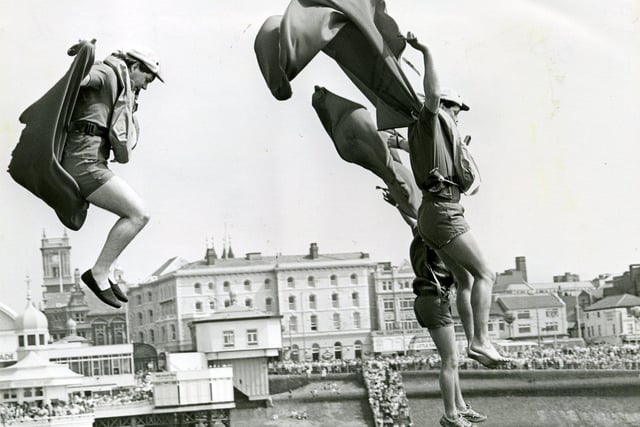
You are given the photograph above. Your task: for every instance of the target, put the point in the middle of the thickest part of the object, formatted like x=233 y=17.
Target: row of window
x=116 y=364
x=198 y=287
x=31 y=340
x=526 y=314
x=335 y=301
x=337 y=351
x=291 y=283
x=313 y=322
x=165 y=335
x=248 y=302
x=405 y=304
x=229 y=339
x=392 y=325
x=387 y=285
x=11 y=395
x=609 y=315
x=549 y=327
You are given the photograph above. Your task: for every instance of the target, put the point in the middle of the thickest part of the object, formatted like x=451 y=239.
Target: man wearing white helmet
x=103 y=121
x=442 y=226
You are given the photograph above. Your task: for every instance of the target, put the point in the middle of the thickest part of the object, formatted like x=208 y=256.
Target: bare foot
x=482 y=359
x=490 y=352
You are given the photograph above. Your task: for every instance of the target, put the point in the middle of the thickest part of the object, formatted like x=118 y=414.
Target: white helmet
x=148 y=57
x=451 y=95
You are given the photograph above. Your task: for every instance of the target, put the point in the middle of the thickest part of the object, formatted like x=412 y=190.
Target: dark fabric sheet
x=357 y=140
x=358 y=35
x=35 y=162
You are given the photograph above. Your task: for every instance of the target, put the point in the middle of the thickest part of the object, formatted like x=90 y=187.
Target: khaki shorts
x=433 y=311
x=439 y=222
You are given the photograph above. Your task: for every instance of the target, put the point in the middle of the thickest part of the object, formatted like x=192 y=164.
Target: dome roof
x=32 y=318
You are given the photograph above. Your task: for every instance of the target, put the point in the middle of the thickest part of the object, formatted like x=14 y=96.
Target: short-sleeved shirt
x=430 y=148
x=96 y=99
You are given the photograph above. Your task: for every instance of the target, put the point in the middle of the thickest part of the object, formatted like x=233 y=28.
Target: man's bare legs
x=464 y=283
x=464 y=252
x=445 y=341
x=118 y=197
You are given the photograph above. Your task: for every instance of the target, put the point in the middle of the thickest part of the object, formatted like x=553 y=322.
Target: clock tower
x=57 y=277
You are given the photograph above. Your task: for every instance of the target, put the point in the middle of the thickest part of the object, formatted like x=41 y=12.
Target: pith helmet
x=148 y=57
x=451 y=95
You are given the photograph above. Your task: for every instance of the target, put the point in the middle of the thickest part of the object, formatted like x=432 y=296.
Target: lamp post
x=509 y=317
x=538 y=326
x=635 y=312
x=578 y=325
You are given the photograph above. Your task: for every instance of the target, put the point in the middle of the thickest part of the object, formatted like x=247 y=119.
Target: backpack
x=466 y=170
x=123 y=129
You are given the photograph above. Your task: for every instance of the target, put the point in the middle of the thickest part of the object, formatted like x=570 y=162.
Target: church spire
x=28 y=282
x=230 y=251
x=224 y=248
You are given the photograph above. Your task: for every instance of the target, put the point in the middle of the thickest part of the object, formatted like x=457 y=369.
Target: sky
x=553 y=88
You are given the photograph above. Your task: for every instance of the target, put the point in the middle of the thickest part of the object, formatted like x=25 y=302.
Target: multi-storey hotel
x=325 y=300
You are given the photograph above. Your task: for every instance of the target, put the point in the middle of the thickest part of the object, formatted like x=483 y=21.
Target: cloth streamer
x=357 y=141
x=35 y=162
x=358 y=35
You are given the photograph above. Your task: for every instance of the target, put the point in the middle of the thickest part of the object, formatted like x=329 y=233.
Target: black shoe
x=107 y=296
x=118 y=292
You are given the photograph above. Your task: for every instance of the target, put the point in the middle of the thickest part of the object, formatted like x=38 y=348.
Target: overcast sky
x=553 y=88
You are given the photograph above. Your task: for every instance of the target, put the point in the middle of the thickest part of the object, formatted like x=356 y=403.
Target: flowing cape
x=35 y=162
x=358 y=35
x=357 y=140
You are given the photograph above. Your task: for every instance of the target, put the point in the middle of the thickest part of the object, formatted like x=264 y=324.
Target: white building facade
x=541 y=316
x=612 y=320
x=324 y=300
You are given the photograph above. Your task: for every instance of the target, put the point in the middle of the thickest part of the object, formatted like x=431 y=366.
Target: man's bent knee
x=485 y=275
x=140 y=219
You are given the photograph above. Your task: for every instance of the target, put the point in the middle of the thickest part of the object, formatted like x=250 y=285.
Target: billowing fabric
x=35 y=162
x=357 y=141
x=357 y=34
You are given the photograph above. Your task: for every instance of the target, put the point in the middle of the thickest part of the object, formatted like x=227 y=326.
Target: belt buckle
x=444 y=293
x=90 y=128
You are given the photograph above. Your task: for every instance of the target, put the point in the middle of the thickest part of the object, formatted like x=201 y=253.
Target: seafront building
x=243 y=339
x=538 y=316
x=330 y=305
x=324 y=299
x=613 y=320
x=71 y=382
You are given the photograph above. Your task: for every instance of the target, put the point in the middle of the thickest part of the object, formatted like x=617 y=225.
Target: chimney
x=313 y=251
x=521 y=266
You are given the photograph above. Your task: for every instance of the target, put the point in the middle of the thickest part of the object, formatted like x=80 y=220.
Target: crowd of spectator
x=387 y=398
x=321 y=367
x=14 y=413
x=601 y=356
